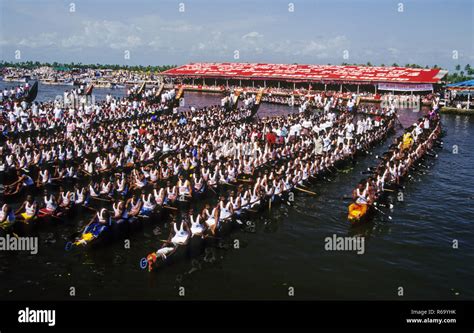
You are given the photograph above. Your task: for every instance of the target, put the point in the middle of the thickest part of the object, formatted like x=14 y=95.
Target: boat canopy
x=463 y=86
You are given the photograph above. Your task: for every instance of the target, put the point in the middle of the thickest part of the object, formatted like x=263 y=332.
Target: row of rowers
x=409 y=148
x=69 y=114
x=103 y=146
x=101 y=150
x=273 y=168
x=120 y=142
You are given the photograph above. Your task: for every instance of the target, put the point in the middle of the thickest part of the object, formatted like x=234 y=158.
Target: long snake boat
x=405 y=155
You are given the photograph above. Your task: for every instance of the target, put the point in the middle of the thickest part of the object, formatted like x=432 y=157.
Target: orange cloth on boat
x=407 y=140
x=356 y=211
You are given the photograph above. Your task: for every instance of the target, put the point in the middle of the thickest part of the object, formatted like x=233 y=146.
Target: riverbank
x=450 y=110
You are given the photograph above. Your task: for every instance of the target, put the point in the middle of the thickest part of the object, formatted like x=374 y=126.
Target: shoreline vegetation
x=70 y=66
x=452 y=110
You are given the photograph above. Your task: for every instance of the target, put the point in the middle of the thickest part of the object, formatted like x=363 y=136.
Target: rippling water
x=413 y=250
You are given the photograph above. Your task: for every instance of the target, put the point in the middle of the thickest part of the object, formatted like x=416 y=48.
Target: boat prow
x=358 y=213
x=89 y=89
x=32 y=93
x=256 y=105
x=166 y=255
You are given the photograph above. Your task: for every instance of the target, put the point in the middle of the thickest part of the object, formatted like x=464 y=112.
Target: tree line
x=66 y=67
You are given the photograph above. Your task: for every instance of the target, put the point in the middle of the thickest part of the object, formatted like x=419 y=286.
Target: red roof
x=323 y=73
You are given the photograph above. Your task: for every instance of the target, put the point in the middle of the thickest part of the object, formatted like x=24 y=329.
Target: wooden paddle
x=306 y=191
x=101 y=199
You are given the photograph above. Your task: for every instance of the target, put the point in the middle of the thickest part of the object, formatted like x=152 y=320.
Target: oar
x=210 y=187
x=382 y=205
x=245 y=180
x=379 y=210
x=54 y=216
x=101 y=199
x=95 y=210
x=213 y=237
x=88 y=173
x=306 y=191
x=303 y=185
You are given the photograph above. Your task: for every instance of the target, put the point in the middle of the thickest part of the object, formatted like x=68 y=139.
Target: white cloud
x=252 y=36
x=113 y=34
x=393 y=51
x=181 y=28
x=320 y=48
x=43 y=39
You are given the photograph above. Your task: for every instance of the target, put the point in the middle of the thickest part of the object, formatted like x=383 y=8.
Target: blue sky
x=427 y=32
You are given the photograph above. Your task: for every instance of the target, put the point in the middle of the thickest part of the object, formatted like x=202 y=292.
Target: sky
x=161 y=32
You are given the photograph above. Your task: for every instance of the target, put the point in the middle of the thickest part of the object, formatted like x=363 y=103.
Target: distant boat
x=142 y=89
x=48 y=81
x=15 y=79
x=88 y=90
x=117 y=86
x=32 y=93
x=256 y=105
x=159 y=92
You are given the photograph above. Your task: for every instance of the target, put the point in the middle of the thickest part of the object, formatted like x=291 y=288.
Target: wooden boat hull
x=225 y=227
x=196 y=246
x=355 y=220
x=6 y=229
x=23 y=228
x=180 y=253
